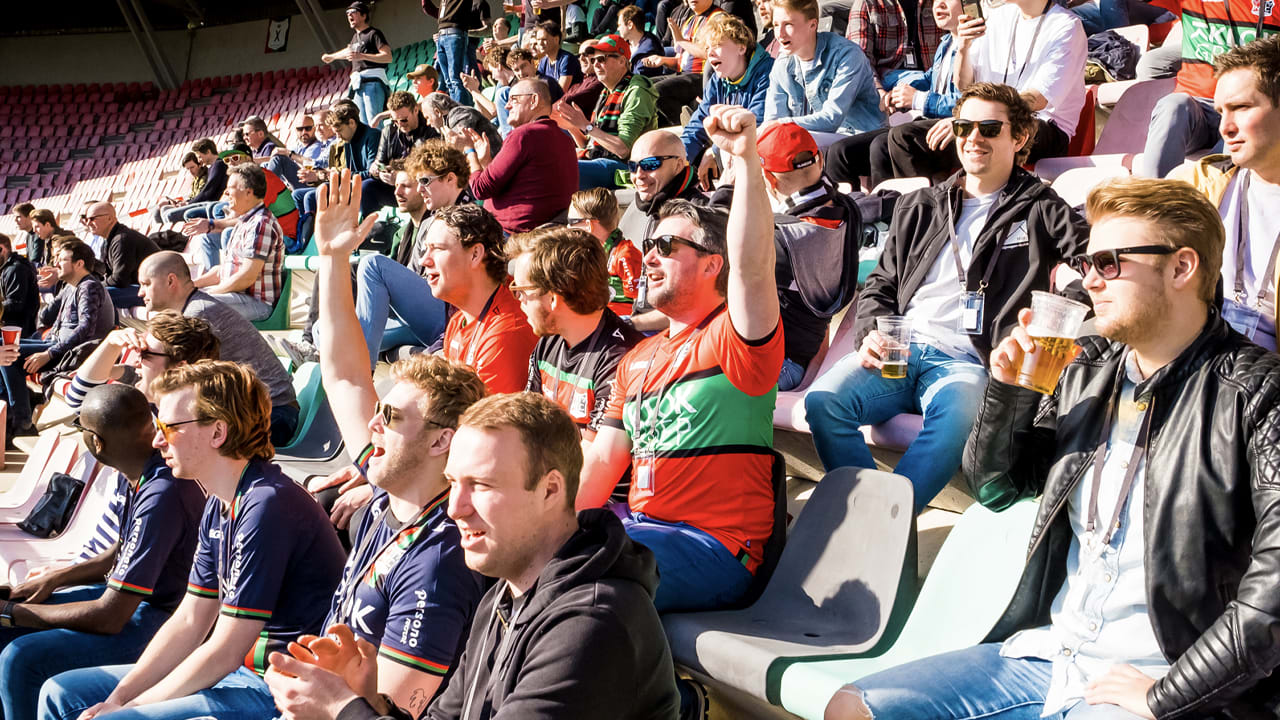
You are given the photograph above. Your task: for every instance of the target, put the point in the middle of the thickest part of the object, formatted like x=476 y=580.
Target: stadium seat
x=968 y=587
x=52 y=454
x=1123 y=136
x=279 y=317
x=317 y=436
x=1074 y=185
x=20 y=553
x=841 y=587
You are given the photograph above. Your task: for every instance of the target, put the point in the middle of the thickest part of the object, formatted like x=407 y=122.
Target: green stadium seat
x=968 y=588
x=279 y=317
x=317 y=436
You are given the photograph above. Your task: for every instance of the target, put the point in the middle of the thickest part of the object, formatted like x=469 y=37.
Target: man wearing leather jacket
x=1149 y=589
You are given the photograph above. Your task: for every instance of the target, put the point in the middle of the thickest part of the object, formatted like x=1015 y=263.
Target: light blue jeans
x=946 y=391
x=695 y=570
x=395 y=306
x=371 y=97
x=969 y=684
x=453 y=57
x=242 y=695
x=1180 y=124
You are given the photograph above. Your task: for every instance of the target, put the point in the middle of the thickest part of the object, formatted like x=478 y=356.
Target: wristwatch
x=6 y=614
x=587 y=130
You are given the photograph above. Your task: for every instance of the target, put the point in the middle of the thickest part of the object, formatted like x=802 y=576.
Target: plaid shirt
x=257 y=237
x=879 y=27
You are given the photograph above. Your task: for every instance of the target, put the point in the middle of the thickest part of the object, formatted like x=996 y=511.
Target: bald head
x=661 y=144
x=121 y=417
x=103 y=208
x=535 y=86
x=658 y=142
x=165 y=281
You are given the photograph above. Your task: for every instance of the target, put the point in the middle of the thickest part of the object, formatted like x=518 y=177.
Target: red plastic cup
x=11 y=334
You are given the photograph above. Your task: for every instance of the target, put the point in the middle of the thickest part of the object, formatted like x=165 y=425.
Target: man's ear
x=1186 y=266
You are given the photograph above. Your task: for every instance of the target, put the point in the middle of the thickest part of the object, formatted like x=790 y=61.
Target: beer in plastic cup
x=895 y=330
x=1055 y=322
x=11 y=333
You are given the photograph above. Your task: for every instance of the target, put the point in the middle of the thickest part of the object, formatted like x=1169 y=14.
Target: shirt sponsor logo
x=412 y=630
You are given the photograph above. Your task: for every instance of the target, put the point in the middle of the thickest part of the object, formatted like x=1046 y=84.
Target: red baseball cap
x=785 y=146
x=612 y=43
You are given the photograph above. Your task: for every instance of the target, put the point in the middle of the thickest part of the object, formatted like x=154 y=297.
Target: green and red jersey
x=1212 y=27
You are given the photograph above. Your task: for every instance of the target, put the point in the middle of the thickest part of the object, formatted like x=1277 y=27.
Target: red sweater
x=532 y=177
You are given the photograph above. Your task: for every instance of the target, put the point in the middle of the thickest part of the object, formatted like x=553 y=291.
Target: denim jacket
x=837 y=95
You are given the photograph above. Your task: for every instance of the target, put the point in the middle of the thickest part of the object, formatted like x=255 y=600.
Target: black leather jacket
x=1211 y=511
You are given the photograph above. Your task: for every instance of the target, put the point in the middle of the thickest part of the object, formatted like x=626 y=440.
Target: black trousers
x=675 y=93
x=849 y=160
x=906 y=152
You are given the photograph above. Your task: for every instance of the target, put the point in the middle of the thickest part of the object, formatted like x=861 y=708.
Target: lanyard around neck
x=1131 y=470
x=1013 y=45
x=1242 y=246
x=962 y=274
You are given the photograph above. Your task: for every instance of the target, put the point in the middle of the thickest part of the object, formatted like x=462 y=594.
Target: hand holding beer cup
x=1035 y=353
x=886 y=348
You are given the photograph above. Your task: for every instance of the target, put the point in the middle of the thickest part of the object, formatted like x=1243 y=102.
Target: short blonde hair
x=808 y=8
x=551 y=439
x=449 y=388
x=227 y=392
x=1182 y=216
x=724 y=26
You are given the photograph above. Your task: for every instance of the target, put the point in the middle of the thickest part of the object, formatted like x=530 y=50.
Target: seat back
x=31 y=472
x=1086 y=136
x=317 y=436
x=1074 y=185
x=773 y=547
x=1139 y=35
x=279 y=317
x=1126 y=129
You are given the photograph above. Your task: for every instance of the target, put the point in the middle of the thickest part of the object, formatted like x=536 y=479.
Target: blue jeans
x=601 y=172
x=208 y=250
x=946 y=391
x=395 y=306
x=249 y=307
x=371 y=97
x=453 y=57
x=30 y=657
x=791 y=375
x=305 y=200
x=1180 y=124
x=215 y=209
x=125 y=297
x=971 y=683
x=284 y=423
x=242 y=695
x=15 y=382
x=1111 y=14
x=695 y=571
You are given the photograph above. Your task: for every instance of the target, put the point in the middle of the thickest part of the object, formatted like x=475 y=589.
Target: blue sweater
x=749 y=92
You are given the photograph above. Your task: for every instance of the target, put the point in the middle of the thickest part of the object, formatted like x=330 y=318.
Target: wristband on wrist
x=6 y=614
x=469 y=151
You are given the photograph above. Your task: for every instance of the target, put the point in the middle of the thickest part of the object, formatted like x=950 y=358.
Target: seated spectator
x=19 y=288
x=464 y=120
x=931 y=93
x=356 y=149
x=587 y=93
x=465 y=267
x=214 y=233
x=701 y=494
x=407 y=129
x=1245 y=184
x=560 y=278
x=167 y=285
x=44 y=225
x=660 y=172
x=682 y=88
x=418 y=607
x=369 y=54
x=84 y=315
x=823 y=83
x=495 y=108
x=125 y=250
x=1049 y=74
x=96 y=242
x=66 y=618
x=260 y=139
x=436 y=107
x=522 y=63
x=739 y=76
x=596 y=211
x=555 y=62
x=171 y=210
x=310 y=152
x=215 y=184
x=896 y=36
x=529 y=181
x=425 y=80
x=26 y=234
x=1132 y=606
x=266 y=563
x=631 y=24
x=582 y=591
x=983 y=263
x=626 y=110
x=247 y=276
x=1185 y=120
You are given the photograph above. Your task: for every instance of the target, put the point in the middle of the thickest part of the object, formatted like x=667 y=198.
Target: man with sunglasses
x=961 y=258
x=65 y=618
x=1149 y=586
x=691 y=414
x=287 y=163
x=266 y=563
x=407 y=129
x=530 y=179
x=123 y=250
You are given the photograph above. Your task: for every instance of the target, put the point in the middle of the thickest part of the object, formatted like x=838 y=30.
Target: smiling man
x=961 y=259
x=1149 y=573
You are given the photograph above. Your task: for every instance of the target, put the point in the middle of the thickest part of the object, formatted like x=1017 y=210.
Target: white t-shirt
x=1264 y=227
x=934 y=310
x=1054 y=67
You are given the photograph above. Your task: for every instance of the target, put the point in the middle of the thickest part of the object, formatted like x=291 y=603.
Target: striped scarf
x=607 y=115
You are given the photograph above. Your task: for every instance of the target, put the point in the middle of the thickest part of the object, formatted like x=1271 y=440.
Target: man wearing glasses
x=123 y=251
x=530 y=180
x=691 y=414
x=310 y=152
x=406 y=130
x=64 y=618
x=266 y=563
x=961 y=259
x=1149 y=589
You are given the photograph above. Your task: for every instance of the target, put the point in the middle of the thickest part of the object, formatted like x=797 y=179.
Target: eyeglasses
x=986 y=128
x=599 y=59
x=301 y=128
x=75 y=423
x=87 y=218
x=147 y=354
x=167 y=429
x=428 y=179
x=650 y=164
x=1107 y=262
x=388 y=413
x=519 y=291
x=579 y=222
x=664 y=245
x=513 y=96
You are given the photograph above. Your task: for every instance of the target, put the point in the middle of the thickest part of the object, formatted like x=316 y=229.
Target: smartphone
x=972 y=9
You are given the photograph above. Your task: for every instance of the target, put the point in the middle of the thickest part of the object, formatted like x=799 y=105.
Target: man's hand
x=708 y=171
x=347 y=505
x=571 y=114
x=200 y=226
x=1006 y=358
x=940 y=135
x=341 y=476
x=901 y=97
x=338 y=208
x=9 y=354
x=733 y=129
x=970 y=29
x=281 y=151
x=480 y=142
x=324 y=674
x=470 y=81
x=676 y=35
x=103 y=708
x=871 y=354
x=885 y=106
x=1123 y=685
x=326 y=58
x=36 y=589
x=37 y=361
x=652 y=61
x=126 y=339
x=308 y=176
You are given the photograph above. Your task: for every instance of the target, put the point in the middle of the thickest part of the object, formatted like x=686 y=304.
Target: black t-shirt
x=368 y=41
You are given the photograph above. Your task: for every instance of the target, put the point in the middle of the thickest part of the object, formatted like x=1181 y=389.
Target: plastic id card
x=971 y=315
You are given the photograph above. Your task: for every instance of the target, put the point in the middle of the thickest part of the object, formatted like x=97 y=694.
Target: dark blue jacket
x=748 y=92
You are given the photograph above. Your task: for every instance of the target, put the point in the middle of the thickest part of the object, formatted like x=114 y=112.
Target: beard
x=1138 y=322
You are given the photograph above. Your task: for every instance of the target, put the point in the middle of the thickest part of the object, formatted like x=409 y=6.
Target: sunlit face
x=649 y=182
x=448 y=265
x=982 y=156
x=406 y=119
x=1131 y=307
x=946 y=14
x=727 y=58
x=675 y=280
x=238 y=194
x=346 y=130
x=1250 y=124
x=190 y=447
x=401 y=446
x=254 y=137
x=424 y=86
x=192 y=168
x=43 y=230
x=524 y=69
x=796 y=33
x=100 y=221
x=408 y=199
x=578 y=222
x=437 y=191
x=24 y=222
x=323 y=130
x=67 y=268
x=522 y=105
x=541 y=43
x=534 y=302
x=156 y=293
x=150 y=364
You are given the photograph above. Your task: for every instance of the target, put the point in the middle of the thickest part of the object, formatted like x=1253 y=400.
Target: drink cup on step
x=11 y=333
x=1055 y=322
x=895 y=330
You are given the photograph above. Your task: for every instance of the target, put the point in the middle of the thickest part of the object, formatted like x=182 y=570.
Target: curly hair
x=1022 y=119
x=568 y=262
x=439 y=158
x=228 y=393
x=448 y=388
x=186 y=339
x=473 y=224
x=551 y=440
x=400 y=100
x=723 y=26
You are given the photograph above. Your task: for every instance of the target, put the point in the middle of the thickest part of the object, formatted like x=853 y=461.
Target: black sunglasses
x=153 y=353
x=300 y=128
x=75 y=423
x=650 y=164
x=388 y=413
x=986 y=128
x=1107 y=262
x=664 y=245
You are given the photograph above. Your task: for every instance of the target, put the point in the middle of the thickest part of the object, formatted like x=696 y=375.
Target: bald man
x=124 y=249
x=165 y=282
x=66 y=618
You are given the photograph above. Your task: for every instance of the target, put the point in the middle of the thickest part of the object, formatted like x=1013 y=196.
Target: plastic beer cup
x=1055 y=322
x=11 y=333
x=895 y=330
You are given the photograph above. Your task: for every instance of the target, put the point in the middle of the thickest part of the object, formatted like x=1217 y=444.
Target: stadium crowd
x=592 y=252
